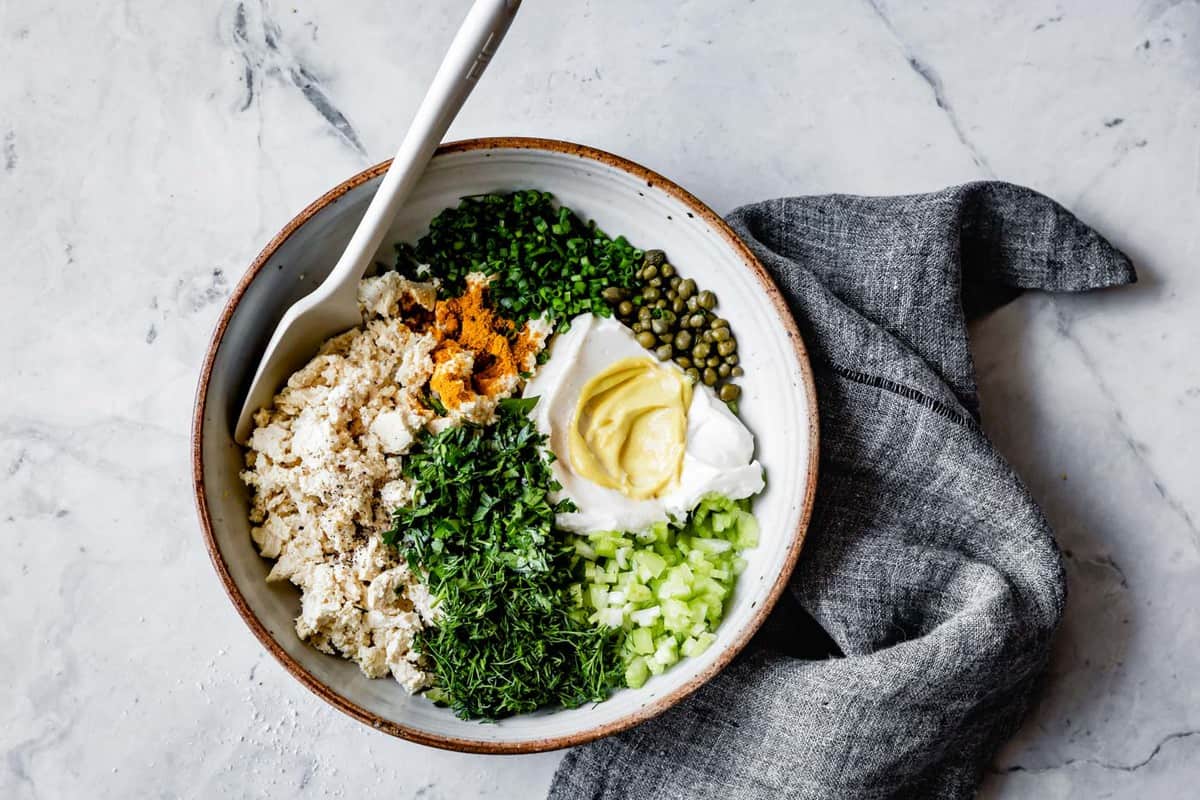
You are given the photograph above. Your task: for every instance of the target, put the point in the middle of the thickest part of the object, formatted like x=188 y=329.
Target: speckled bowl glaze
x=779 y=405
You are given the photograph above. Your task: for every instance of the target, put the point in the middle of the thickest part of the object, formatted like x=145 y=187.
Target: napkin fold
x=927 y=564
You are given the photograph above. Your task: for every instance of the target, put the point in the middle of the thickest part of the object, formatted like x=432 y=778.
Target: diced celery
x=695 y=646
x=678 y=582
x=639 y=593
x=643 y=640
x=682 y=573
x=665 y=586
x=611 y=616
x=672 y=587
x=649 y=564
x=598 y=596
x=747 y=530
x=711 y=588
x=706 y=545
x=646 y=617
x=636 y=673
x=677 y=617
x=667 y=652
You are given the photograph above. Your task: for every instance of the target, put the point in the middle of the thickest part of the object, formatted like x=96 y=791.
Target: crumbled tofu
x=325 y=463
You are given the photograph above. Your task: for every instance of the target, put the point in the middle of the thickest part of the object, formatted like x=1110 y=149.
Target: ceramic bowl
x=779 y=406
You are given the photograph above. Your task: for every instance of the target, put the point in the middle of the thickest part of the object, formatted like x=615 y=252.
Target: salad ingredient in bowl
x=501 y=526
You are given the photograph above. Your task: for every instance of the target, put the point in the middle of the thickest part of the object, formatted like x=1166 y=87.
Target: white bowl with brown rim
x=778 y=404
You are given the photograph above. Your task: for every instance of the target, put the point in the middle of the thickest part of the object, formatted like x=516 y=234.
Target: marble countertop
x=148 y=150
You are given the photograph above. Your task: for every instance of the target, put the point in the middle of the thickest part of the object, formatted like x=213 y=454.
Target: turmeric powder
x=477 y=353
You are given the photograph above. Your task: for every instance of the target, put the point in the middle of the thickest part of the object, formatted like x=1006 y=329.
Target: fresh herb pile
x=511 y=639
x=544 y=259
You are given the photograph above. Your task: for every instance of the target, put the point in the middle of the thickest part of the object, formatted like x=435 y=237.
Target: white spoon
x=333 y=306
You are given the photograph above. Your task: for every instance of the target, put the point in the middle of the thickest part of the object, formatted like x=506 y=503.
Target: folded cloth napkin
x=927 y=562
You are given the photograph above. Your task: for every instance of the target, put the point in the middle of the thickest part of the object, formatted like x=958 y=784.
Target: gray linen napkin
x=927 y=562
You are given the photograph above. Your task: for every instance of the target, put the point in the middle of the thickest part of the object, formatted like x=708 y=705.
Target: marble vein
x=264 y=53
x=1127 y=767
x=10 y=151
x=931 y=79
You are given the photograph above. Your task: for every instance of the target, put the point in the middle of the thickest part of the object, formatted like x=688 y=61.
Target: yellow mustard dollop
x=629 y=431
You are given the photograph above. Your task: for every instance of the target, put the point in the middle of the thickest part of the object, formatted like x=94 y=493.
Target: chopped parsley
x=510 y=639
x=544 y=259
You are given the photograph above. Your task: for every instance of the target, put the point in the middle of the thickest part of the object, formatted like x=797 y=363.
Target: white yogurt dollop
x=719 y=455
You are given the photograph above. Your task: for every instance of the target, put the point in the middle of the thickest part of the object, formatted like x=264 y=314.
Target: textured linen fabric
x=927 y=563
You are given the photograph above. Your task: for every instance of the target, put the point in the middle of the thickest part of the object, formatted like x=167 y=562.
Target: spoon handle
x=464 y=63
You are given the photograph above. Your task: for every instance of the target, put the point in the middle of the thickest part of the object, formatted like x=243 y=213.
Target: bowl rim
x=643 y=713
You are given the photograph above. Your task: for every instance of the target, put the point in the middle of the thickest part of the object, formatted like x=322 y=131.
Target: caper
x=684 y=362
x=672 y=295
x=692 y=303
x=650 y=294
x=612 y=294
x=737 y=372
x=663 y=352
x=659 y=326
x=646 y=339
x=706 y=336
x=713 y=361
x=636 y=327
x=723 y=370
x=662 y=303
x=700 y=351
x=696 y=321
x=687 y=288
x=667 y=270
x=709 y=376
x=693 y=373
x=727 y=347
x=731 y=359
x=625 y=309
x=707 y=300
x=730 y=392
x=649 y=272
x=678 y=306
x=721 y=334
x=720 y=322
x=665 y=338
x=654 y=258
x=675 y=281
x=668 y=315
x=644 y=313
x=683 y=340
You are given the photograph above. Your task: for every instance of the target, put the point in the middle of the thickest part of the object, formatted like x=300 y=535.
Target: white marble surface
x=147 y=150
